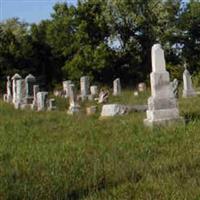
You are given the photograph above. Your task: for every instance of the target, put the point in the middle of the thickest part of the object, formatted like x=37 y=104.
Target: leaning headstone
x=141 y=87
x=188 y=90
x=162 y=105
x=111 y=110
x=85 y=87
x=30 y=81
x=103 y=96
x=116 y=87
x=14 y=86
x=66 y=88
x=8 y=90
x=73 y=105
x=42 y=101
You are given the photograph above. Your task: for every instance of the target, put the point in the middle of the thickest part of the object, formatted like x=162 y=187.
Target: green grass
x=51 y=155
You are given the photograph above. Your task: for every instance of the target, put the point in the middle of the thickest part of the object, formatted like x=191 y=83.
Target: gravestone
x=188 y=90
x=116 y=87
x=14 y=87
x=19 y=93
x=42 y=101
x=73 y=105
x=111 y=110
x=162 y=105
x=8 y=90
x=103 y=96
x=30 y=81
x=141 y=87
x=174 y=85
x=94 y=90
x=85 y=87
x=51 y=104
x=66 y=88
x=36 y=89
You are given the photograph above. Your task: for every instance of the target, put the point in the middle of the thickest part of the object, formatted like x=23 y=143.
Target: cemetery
x=85 y=123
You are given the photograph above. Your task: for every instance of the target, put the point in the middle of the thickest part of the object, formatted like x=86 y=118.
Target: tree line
x=104 y=39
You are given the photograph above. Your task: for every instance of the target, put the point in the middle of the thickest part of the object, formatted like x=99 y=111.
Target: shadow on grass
x=193 y=116
x=80 y=193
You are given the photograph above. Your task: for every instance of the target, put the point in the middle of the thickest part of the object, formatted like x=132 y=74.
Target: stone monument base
x=163 y=117
x=189 y=93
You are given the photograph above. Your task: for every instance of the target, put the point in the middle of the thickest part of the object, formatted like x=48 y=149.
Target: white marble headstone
x=162 y=105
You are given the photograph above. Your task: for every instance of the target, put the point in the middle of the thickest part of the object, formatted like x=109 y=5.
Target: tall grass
x=51 y=155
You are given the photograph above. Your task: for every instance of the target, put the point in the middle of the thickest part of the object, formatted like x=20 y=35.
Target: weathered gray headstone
x=66 y=88
x=188 y=90
x=30 y=81
x=162 y=105
x=103 y=96
x=141 y=87
x=73 y=105
x=42 y=101
x=8 y=90
x=85 y=87
x=36 y=89
x=111 y=110
x=14 y=87
x=116 y=87
x=94 y=90
x=174 y=85
x=52 y=104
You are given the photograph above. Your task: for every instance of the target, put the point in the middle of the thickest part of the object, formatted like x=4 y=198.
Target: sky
x=28 y=10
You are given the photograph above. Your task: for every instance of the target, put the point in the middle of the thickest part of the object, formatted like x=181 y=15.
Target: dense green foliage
x=103 y=39
x=51 y=155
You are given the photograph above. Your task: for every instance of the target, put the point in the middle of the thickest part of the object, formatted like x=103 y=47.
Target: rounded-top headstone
x=16 y=76
x=30 y=77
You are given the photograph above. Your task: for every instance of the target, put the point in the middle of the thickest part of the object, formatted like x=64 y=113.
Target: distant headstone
x=8 y=90
x=116 y=87
x=19 y=93
x=36 y=89
x=111 y=110
x=85 y=87
x=162 y=105
x=174 y=85
x=188 y=90
x=103 y=96
x=42 y=98
x=66 y=88
x=52 y=104
x=94 y=90
x=30 y=81
x=142 y=87
x=73 y=105
x=14 y=87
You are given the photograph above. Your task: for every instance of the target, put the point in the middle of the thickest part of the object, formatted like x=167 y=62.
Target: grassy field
x=51 y=155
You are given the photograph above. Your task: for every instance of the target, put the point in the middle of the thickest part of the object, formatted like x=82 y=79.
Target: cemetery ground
x=50 y=155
